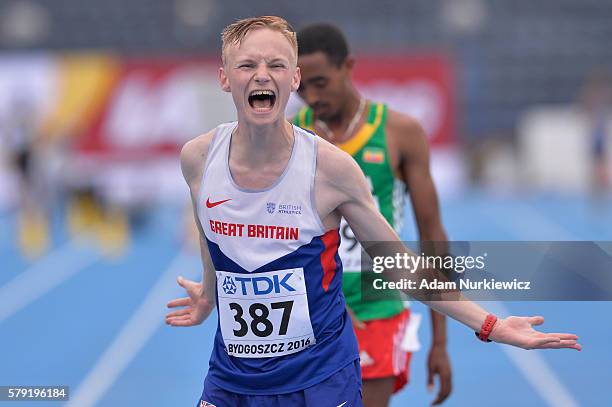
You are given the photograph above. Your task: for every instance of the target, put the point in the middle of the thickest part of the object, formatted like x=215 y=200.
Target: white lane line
x=535 y=369
x=134 y=334
x=537 y=223
x=528 y=224
x=531 y=364
x=44 y=275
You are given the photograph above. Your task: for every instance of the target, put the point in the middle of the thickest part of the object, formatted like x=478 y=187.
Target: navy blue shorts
x=342 y=389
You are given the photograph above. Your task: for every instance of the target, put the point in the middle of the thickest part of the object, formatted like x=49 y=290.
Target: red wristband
x=487 y=327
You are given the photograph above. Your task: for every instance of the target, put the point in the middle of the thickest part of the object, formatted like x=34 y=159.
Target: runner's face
x=324 y=85
x=260 y=73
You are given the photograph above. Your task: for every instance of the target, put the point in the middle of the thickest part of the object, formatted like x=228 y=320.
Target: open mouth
x=262 y=100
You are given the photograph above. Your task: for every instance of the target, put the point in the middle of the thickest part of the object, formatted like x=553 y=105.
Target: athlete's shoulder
x=307 y=131
x=194 y=154
x=330 y=156
x=335 y=166
x=403 y=123
x=406 y=133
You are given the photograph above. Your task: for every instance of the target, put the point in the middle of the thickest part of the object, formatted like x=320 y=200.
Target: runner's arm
x=411 y=142
x=201 y=295
x=193 y=160
x=413 y=148
x=356 y=204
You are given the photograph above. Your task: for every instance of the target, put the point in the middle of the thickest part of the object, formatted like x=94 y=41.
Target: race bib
x=350 y=249
x=264 y=315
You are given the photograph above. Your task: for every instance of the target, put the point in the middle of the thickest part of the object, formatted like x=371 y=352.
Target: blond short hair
x=235 y=33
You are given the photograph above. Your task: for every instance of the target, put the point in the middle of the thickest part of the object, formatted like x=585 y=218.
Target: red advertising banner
x=155 y=106
x=144 y=107
x=125 y=119
x=419 y=85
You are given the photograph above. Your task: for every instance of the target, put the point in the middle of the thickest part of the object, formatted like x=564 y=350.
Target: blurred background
x=96 y=99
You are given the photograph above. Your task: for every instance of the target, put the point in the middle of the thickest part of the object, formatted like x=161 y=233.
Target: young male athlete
x=268 y=199
x=392 y=151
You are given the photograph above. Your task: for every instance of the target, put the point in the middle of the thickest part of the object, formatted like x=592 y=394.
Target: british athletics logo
x=284 y=208
x=290 y=209
x=206 y=404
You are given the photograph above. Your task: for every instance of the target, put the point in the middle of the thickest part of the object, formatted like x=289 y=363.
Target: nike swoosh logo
x=340 y=405
x=213 y=204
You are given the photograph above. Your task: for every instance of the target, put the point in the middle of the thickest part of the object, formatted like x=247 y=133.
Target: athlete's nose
x=262 y=75
x=308 y=95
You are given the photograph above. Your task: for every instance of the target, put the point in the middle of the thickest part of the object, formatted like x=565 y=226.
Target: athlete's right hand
x=198 y=308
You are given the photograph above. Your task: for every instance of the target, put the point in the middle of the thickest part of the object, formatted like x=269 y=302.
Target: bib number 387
x=264 y=314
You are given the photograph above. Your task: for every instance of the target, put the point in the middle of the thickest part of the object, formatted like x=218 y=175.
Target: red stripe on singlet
x=330 y=239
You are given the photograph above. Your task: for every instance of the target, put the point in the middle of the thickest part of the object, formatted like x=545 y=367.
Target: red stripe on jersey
x=331 y=240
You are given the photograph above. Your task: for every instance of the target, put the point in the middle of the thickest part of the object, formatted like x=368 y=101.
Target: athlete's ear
x=224 y=80
x=295 y=81
x=349 y=63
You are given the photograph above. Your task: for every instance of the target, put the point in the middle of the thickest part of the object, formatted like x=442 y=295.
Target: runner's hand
x=197 y=308
x=357 y=324
x=439 y=364
x=518 y=331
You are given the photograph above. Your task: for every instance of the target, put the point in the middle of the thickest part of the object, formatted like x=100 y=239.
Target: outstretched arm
x=356 y=204
x=200 y=299
x=411 y=143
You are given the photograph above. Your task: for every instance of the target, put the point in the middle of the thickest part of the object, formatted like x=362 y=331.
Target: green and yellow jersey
x=369 y=148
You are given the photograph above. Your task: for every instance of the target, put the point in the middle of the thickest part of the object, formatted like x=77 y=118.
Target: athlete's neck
x=340 y=127
x=255 y=145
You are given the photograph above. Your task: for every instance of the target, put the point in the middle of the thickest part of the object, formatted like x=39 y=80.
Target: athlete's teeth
x=262 y=92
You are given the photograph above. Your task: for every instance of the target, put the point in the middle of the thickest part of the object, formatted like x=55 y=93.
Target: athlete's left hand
x=518 y=331
x=357 y=324
x=438 y=364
